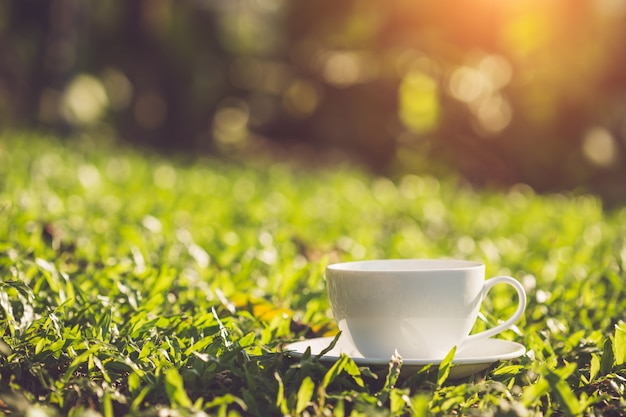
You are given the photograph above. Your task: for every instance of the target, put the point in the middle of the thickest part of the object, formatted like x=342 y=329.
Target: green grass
x=134 y=284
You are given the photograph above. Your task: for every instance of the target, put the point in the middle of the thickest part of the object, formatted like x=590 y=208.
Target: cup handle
x=521 y=306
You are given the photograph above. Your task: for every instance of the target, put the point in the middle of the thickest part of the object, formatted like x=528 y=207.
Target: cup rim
x=405 y=265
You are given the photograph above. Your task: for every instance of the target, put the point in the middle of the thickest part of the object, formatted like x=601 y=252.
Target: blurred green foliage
x=502 y=92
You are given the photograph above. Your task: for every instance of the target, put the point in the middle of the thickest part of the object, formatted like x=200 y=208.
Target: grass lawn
x=134 y=284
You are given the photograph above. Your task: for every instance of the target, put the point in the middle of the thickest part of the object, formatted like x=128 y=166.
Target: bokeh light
x=599 y=147
x=230 y=124
x=494 y=90
x=301 y=98
x=419 y=102
x=345 y=68
x=85 y=100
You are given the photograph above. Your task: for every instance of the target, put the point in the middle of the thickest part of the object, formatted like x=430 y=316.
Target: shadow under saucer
x=469 y=359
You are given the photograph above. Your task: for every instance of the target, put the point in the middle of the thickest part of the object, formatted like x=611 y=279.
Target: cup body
x=419 y=308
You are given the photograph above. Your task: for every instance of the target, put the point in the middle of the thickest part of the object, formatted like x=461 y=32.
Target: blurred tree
x=502 y=92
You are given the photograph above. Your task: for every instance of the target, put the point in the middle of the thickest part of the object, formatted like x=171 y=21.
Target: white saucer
x=470 y=359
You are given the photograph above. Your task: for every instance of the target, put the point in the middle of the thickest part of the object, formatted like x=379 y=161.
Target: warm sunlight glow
x=610 y=8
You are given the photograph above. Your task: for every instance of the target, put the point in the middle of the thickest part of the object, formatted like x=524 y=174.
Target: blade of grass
x=444 y=367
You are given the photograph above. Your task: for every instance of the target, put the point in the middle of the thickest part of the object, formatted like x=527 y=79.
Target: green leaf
x=608 y=357
x=175 y=389
x=398 y=400
x=594 y=367
x=352 y=369
x=334 y=370
x=247 y=340
x=107 y=404
x=78 y=361
x=445 y=366
x=305 y=393
x=330 y=346
x=281 y=401
x=508 y=370
x=533 y=393
x=420 y=405
x=619 y=343
x=134 y=382
x=41 y=343
x=225 y=400
x=563 y=392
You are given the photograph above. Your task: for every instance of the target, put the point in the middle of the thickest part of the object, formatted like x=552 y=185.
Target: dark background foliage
x=501 y=92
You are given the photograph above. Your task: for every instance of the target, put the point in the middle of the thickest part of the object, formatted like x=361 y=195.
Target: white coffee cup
x=417 y=307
